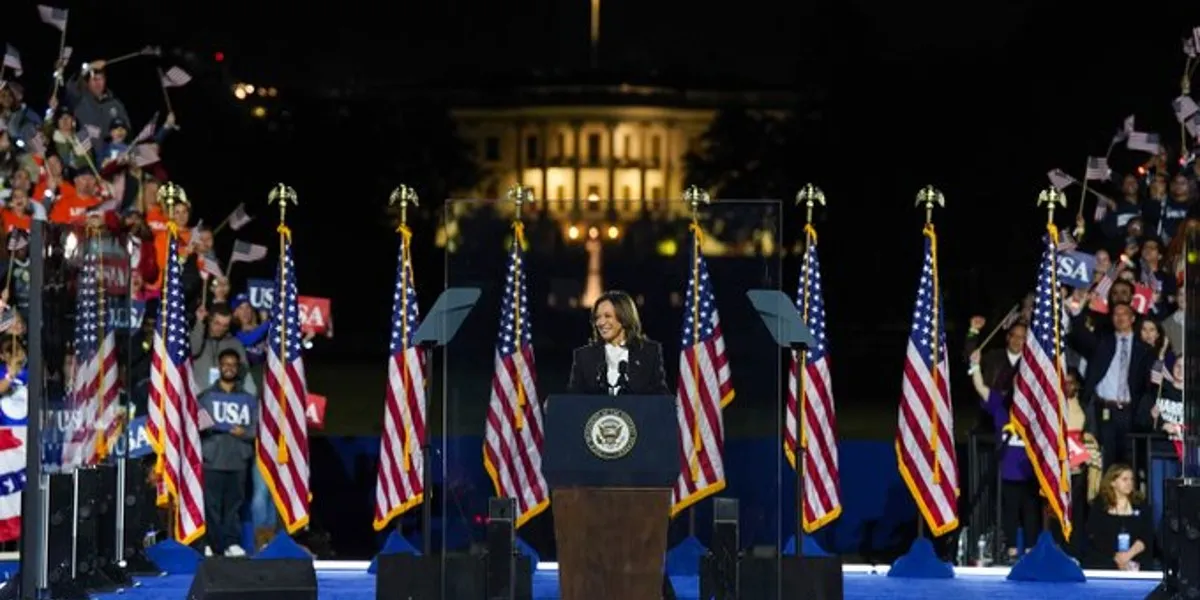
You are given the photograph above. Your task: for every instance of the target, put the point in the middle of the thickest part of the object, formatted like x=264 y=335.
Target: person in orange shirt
x=16 y=214
x=72 y=208
x=51 y=181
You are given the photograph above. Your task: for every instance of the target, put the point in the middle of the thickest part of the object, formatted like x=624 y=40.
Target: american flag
x=810 y=393
x=512 y=447
x=398 y=486
x=54 y=17
x=175 y=77
x=94 y=388
x=173 y=424
x=1097 y=169
x=925 y=436
x=283 y=429
x=704 y=389
x=1038 y=401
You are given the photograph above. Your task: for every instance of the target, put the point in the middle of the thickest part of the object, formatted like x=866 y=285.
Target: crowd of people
x=1123 y=335
x=98 y=188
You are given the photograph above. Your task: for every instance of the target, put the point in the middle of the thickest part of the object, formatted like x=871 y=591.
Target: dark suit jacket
x=589 y=369
x=1099 y=347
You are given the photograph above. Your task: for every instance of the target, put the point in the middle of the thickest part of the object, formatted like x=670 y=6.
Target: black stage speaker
x=60 y=539
x=88 y=572
x=719 y=566
x=412 y=577
x=1180 y=541
x=758 y=576
x=221 y=578
x=106 y=532
x=509 y=574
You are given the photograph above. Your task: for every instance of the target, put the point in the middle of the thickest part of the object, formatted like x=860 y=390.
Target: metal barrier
x=982 y=531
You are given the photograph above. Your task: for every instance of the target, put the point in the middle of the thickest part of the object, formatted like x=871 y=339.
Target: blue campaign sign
x=228 y=411
x=136 y=441
x=125 y=317
x=262 y=293
x=1076 y=269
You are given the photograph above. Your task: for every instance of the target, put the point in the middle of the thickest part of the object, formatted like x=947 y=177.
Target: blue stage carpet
x=361 y=586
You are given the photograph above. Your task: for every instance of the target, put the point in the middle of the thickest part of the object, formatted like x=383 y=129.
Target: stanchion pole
x=37 y=488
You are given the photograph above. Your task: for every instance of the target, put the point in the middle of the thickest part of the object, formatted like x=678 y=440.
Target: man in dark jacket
x=228 y=448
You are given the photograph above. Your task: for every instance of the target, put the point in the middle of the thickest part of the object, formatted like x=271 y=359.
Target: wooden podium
x=612 y=543
x=611 y=472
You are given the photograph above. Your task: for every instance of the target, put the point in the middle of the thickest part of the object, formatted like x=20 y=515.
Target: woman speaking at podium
x=619 y=359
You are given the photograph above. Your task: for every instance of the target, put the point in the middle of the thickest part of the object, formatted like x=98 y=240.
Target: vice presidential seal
x=610 y=433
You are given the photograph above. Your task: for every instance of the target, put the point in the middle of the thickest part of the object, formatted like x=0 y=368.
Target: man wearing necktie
x=1118 y=371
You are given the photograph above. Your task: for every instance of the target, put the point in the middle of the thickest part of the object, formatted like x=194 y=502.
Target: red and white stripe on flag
x=399 y=484
x=283 y=427
x=512 y=444
x=810 y=393
x=704 y=389
x=1038 y=410
x=173 y=424
x=925 y=435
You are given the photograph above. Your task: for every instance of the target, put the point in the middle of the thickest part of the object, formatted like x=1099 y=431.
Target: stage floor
x=344 y=585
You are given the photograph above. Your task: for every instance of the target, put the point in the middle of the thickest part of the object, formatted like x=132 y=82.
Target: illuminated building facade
x=594 y=153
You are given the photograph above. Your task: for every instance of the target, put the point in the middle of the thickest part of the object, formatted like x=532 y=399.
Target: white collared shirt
x=613 y=356
x=1115 y=383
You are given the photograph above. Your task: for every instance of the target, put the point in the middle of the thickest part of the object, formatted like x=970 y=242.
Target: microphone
x=622 y=376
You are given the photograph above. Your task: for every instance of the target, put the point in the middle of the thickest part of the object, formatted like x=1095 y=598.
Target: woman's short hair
x=625 y=310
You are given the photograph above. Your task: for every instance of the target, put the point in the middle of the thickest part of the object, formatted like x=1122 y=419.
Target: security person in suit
x=619 y=359
x=1118 y=374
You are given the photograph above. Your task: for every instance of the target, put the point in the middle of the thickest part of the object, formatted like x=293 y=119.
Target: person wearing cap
x=115 y=150
x=91 y=100
x=73 y=205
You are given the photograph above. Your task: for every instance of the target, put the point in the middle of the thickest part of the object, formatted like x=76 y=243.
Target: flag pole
x=167 y=98
x=404 y=196
x=1052 y=198
x=931 y=197
x=169 y=194
x=95 y=235
x=59 y=63
x=519 y=195
x=695 y=197
x=810 y=196
x=280 y=195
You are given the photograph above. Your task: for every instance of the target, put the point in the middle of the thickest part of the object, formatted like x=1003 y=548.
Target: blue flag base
x=1047 y=563
x=394 y=544
x=809 y=547
x=684 y=559
x=527 y=550
x=921 y=562
x=283 y=546
x=174 y=558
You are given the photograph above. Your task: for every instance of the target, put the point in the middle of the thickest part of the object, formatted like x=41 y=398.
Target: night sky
x=978 y=99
